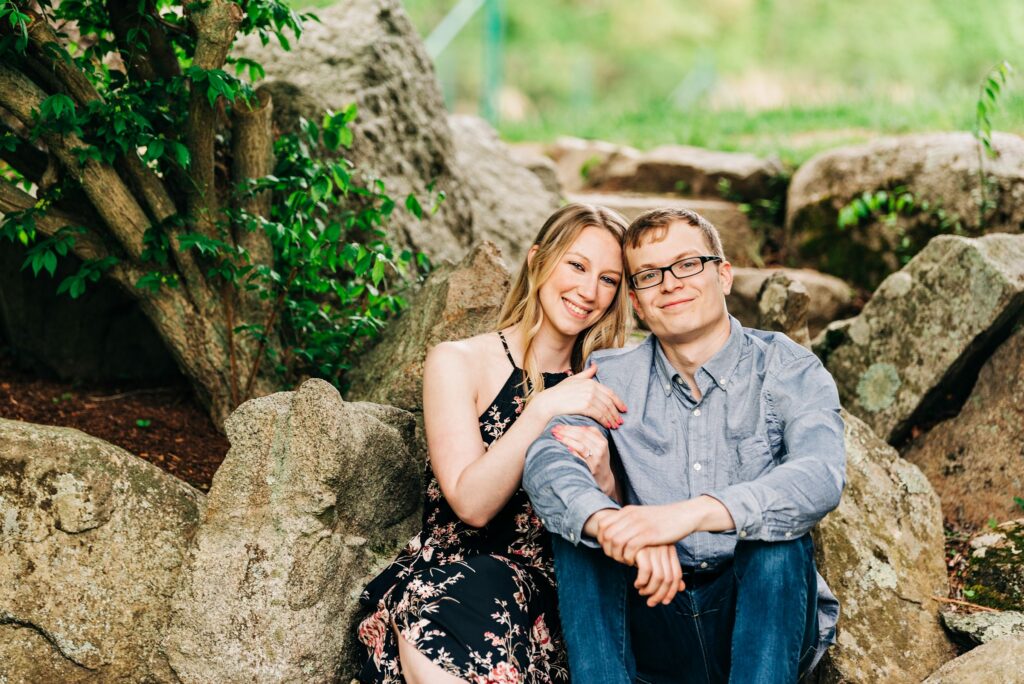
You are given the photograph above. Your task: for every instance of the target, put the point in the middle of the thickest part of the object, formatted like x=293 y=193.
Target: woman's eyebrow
x=577 y=254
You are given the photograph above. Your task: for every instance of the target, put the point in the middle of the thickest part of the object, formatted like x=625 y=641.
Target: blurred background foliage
x=782 y=76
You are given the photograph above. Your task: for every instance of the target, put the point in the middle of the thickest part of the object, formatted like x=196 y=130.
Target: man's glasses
x=684 y=268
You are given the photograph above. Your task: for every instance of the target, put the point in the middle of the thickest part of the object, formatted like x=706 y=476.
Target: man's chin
x=674 y=333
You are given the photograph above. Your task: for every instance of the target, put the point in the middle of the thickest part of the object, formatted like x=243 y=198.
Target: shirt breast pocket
x=753 y=458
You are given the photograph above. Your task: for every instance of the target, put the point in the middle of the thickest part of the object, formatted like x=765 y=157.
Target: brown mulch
x=164 y=425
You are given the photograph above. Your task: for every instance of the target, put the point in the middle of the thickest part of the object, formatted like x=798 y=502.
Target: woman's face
x=584 y=282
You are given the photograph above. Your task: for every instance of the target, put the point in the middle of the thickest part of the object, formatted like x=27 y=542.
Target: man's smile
x=676 y=303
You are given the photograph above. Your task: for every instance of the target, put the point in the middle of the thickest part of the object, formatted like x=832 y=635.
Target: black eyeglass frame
x=662 y=269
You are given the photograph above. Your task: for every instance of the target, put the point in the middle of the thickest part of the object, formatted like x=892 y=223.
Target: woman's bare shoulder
x=470 y=353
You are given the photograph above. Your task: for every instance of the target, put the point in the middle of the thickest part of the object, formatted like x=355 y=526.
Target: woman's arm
x=476 y=481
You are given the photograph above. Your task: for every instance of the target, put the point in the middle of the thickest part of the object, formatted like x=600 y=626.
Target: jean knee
x=774 y=558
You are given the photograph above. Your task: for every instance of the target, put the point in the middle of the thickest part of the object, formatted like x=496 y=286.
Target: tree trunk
x=121 y=202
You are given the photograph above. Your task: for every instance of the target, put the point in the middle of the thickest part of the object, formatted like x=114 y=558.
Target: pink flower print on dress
x=502 y=673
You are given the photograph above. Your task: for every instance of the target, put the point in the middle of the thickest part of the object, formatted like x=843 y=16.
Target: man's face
x=680 y=309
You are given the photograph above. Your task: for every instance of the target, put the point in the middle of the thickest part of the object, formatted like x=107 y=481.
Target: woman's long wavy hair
x=522 y=305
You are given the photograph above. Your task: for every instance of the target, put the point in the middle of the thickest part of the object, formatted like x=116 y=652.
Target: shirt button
x=743 y=533
x=788 y=535
x=704 y=564
x=697 y=466
x=696 y=412
x=572 y=537
x=668 y=387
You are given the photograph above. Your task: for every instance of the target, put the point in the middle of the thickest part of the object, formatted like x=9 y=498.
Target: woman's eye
x=611 y=281
x=577 y=265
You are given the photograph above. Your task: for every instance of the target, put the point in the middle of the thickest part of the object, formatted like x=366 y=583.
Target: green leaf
x=413 y=205
x=180 y=153
x=155 y=149
x=321 y=187
x=378 y=271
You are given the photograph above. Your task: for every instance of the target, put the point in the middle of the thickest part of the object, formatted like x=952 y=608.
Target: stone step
x=740 y=243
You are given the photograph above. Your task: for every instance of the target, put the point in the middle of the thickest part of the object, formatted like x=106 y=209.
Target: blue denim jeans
x=754 y=621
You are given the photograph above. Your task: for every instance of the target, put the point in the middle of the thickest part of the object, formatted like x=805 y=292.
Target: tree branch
x=142 y=179
x=252 y=153
x=87 y=245
x=105 y=189
x=215 y=24
x=44 y=42
x=156 y=59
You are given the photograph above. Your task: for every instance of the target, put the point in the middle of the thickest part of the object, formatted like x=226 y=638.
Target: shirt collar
x=719 y=367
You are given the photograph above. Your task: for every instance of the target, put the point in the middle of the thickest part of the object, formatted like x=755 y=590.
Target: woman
x=472 y=598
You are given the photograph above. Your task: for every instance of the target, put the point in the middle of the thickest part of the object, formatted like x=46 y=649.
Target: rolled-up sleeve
x=788 y=500
x=560 y=485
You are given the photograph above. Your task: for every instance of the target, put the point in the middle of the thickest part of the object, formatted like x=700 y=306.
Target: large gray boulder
x=997 y=662
x=881 y=552
x=91 y=543
x=510 y=203
x=782 y=305
x=940 y=169
x=924 y=326
x=457 y=301
x=368 y=52
x=830 y=297
x=974 y=459
x=690 y=171
x=315 y=495
x=576 y=158
x=974 y=629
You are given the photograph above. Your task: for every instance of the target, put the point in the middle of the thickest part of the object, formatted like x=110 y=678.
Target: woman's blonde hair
x=522 y=305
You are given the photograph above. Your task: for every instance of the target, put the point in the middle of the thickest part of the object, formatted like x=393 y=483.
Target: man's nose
x=670 y=281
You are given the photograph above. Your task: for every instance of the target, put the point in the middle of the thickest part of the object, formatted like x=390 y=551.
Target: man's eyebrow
x=681 y=255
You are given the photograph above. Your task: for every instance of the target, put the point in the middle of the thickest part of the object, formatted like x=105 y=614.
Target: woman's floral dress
x=480 y=603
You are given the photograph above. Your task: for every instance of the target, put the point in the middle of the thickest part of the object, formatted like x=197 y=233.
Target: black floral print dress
x=480 y=603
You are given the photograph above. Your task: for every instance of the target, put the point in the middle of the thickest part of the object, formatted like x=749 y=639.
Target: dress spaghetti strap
x=504 y=344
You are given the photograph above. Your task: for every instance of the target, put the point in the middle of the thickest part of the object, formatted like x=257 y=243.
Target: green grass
x=786 y=77
x=792 y=133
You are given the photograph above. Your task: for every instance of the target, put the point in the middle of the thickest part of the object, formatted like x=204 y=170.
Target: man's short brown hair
x=653 y=225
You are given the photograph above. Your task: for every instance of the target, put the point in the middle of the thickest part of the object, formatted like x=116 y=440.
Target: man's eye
x=690 y=264
x=648 y=276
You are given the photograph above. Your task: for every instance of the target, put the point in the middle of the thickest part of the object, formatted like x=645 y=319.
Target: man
x=730 y=451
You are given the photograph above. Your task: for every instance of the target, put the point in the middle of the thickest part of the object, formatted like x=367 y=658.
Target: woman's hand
x=584 y=396
x=590 y=444
x=659 y=576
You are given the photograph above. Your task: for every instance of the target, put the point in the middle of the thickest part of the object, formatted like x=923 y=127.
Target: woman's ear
x=529 y=255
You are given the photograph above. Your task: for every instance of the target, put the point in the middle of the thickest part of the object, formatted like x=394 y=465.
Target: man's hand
x=659 y=576
x=623 y=533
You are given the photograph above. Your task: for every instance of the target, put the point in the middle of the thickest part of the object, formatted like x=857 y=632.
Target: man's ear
x=529 y=255
x=725 y=273
x=636 y=304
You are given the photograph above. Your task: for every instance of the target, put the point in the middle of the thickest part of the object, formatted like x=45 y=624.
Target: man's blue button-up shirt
x=765 y=439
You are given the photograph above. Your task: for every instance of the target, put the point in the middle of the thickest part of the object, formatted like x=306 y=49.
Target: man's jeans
x=756 y=621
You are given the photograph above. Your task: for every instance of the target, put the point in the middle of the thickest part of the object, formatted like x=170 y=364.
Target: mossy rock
x=995 y=574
